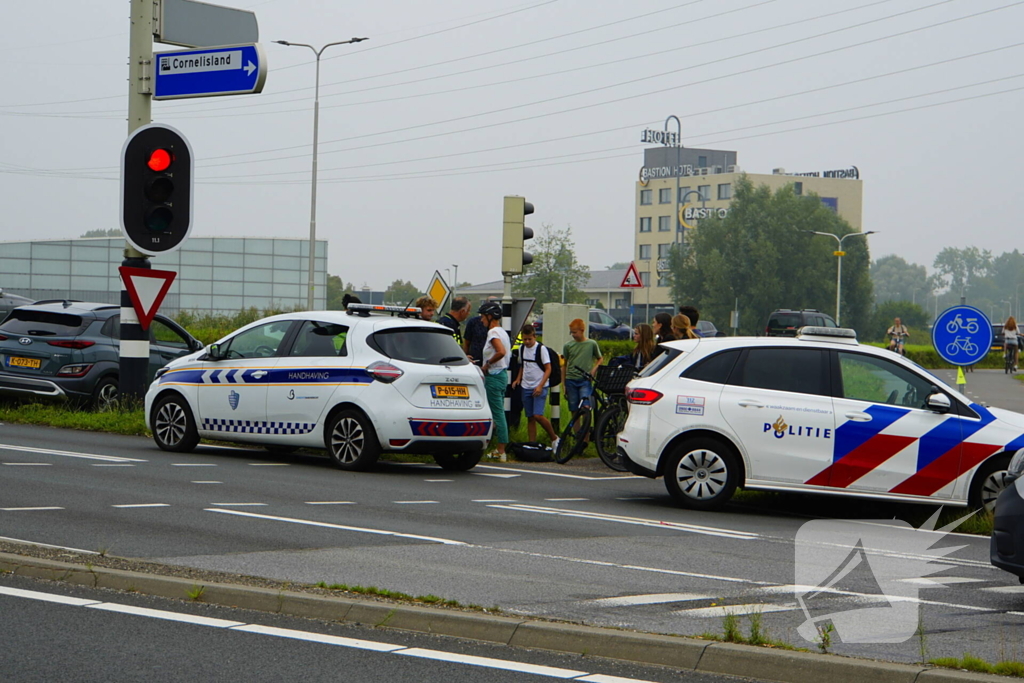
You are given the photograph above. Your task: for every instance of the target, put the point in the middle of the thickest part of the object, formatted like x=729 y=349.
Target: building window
x=665 y=195
x=798 y=189
x=664 y=223
x=645 y=224
x=646 y=196
x=662 y=280
x=645 y=252
x=725 y=191
x=702 y=161
x=682 y=194
x=664 y=250
x=705 y=192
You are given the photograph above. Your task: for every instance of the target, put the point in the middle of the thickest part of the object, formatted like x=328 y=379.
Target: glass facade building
x=215 y=274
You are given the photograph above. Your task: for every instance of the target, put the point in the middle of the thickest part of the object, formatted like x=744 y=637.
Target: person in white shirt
x=533 y=376
x=495 y=369
x=1011 y=339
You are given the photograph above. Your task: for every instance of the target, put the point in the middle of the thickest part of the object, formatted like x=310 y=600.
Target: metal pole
x=839 y=283
x=312 y=201
x=455 y=284
x=134 y=345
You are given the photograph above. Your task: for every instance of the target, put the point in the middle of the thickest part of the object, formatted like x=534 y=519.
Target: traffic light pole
x=134 y=347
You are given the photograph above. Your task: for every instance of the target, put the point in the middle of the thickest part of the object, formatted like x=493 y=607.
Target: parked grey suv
x=69 y=350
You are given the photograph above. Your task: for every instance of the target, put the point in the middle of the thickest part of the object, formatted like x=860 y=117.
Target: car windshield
x=419 y=345
x=42 y=323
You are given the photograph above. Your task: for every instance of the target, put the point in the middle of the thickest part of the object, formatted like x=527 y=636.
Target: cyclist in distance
x=1011 y=339
x=898 y=334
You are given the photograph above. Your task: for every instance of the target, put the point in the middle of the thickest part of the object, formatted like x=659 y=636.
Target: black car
x=69 y=350
x=1007 y=545
x=785 y=322
x=603 y=326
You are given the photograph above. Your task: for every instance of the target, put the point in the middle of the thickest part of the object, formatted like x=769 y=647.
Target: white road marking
x=30 y=464
x=239 y=505
x=143 y=505
x=494 y=500
x=207 y=482
x=1008 y=590
x=67 y=454
x=563 y=500
x=654 y=523
x=164 y=614
x=649 y=599
x=269 y=464
x=636 y=498
x=624 y=477
x=941 y=581
x=34 y=508
x=416 y=502
x=337 y=641
x=112 y=464
x=329 y=502
x=193 y=464
x=500 y=476
x=490 y=663
x=362 y=530
x=47 y=545
x=438 y=481
x=758 y=608
x=873 y=597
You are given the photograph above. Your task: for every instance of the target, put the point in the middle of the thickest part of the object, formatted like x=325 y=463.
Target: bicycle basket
x=614 y=380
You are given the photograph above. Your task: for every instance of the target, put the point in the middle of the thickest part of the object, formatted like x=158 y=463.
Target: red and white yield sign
x=147 y=289
x=631 y=279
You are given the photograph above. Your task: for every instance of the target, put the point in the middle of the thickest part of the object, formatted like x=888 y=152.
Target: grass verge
x=403 y=597
x=971 y=663
x=125 y=421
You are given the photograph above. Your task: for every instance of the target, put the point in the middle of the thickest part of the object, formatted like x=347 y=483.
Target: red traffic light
x=160 y=160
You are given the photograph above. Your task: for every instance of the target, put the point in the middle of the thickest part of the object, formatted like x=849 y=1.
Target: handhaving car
x=818 y=413
x=785 y=322
x=357 y=383
x=70 y=350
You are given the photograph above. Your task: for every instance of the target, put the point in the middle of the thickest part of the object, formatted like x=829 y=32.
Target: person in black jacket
x=455 y=316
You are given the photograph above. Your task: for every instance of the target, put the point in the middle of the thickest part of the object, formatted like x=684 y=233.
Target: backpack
x=530 y=451
x=556 y=363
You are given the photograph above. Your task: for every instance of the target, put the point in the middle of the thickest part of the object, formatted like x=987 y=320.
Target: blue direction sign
x=228 y=70
x=962 y=335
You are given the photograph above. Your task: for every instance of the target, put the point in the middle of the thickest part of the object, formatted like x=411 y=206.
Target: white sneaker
x=554 y=445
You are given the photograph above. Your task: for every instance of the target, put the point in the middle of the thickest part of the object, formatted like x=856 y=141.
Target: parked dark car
x=603 y=326
x=1006 y=549
x=785 y=322
x=998 y=338
x=69 y=350
x=708 y=329
x=9 y=302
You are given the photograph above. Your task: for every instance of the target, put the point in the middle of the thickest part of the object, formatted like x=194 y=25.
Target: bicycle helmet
x=490 y=308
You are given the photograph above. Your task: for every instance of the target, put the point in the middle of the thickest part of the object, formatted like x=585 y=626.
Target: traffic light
x=515 y=232
x=156 y=189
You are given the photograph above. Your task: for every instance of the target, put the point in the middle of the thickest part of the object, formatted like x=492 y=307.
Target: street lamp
x=316 y=131
x=839 y=253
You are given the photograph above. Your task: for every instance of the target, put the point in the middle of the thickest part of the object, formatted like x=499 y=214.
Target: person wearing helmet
x=495 y=369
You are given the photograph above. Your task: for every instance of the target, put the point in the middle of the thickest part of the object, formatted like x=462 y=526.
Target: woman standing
x=663 y=328
x=681 y=327
x=495 y=369
x=646 y=349
x=1010 y=337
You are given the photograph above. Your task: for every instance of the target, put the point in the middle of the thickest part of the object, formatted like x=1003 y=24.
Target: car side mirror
x=937 y=401
x=214 y=352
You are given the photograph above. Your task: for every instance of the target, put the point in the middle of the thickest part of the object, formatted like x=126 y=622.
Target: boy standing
x=534 y=371
x=582 y=358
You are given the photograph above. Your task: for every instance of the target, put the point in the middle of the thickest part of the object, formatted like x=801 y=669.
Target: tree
x=554 y=263
x=759 y=254
x=621 y=265
x=894 y=279
x=100 y=232
x=336 y=292
x=962 y=269
x=401 y=293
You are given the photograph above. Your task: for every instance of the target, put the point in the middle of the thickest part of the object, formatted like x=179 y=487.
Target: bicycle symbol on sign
x=962 y=344
x=957 y=324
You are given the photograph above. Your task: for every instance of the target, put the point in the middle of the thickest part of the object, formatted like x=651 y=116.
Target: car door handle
x=858 y=417
x=751 y=404
x=259 y=373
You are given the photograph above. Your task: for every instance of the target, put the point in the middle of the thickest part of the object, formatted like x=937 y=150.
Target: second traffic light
x=514 y=234
x=156 y=189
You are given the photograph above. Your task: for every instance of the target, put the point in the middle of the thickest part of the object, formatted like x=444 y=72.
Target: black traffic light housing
x=156 y=189
x=514 y=234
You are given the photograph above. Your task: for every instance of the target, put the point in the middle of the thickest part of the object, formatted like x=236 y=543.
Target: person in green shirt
x=582 y=358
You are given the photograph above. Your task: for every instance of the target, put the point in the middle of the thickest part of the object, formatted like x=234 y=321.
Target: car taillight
x=3 y=338
x=384 y=372
x=77 y=370
x=643 y=397
x=73 y=344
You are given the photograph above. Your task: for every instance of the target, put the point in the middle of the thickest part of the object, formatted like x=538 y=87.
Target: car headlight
x=1016 y=466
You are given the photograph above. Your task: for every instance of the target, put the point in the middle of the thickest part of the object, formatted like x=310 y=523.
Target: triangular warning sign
x=960 y=379
x=632 y=278
x=147 y=289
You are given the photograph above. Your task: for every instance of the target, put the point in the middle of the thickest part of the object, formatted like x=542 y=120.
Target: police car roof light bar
x=843 y=334
x=366 y=309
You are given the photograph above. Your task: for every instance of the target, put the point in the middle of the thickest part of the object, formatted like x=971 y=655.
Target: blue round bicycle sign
x=962 y=335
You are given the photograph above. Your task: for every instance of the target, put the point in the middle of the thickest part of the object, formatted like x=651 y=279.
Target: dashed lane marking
x=143 y=505
x=29 y=464
x=207 y=482
x=495 y=500
x=636 y=498
x=649 y=599
x=329 y=502
x=67 y=454
x=438 y=481
x=239 y=505
x=500 y=476
x=941 y=581
x=113 y=464
x=564 y=500
x=624 y=477
x=342 y=527
x=193 y=464
x=27 y=509
x=416 y=502
x=269 y=464
x=1008 y=590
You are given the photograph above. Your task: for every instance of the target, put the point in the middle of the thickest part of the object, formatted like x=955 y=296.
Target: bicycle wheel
x=609 y=423
x=574 y=437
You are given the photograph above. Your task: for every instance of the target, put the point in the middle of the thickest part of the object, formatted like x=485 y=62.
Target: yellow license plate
x=15 y=361
x=449 y=391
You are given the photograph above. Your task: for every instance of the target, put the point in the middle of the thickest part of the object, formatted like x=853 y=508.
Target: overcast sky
x=451 y=105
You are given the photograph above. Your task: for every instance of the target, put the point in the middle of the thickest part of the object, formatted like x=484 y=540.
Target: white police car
x=818 y=413
x=359 y=382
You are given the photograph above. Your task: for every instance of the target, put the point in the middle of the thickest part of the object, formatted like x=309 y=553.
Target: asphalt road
x=576 y=543
x=106 y=635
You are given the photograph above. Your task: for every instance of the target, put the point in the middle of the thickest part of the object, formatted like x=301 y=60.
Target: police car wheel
x=174 y=429
x=702 y=474
x=458 y=462
x=351 y=441
x=989 y=481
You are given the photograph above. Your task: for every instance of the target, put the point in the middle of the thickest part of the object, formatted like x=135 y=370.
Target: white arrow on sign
x=249 y=68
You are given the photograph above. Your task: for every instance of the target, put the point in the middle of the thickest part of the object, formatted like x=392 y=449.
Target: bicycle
x=1010 y=365
x=896 y=345
x=611 y=410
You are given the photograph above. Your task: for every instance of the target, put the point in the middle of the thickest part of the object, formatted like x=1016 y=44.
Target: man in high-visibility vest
x=454 y=318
